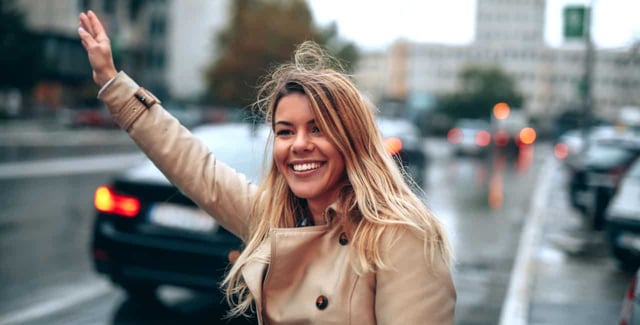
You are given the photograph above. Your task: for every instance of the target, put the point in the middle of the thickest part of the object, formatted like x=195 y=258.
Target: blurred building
x=164 y=44
x=509 y=34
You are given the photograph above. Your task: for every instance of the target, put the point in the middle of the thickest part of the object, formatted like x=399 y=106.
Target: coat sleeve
x=412 y=290
x=182 y=158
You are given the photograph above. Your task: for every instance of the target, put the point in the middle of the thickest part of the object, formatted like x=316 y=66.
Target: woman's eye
x=283 y=132
x=315 y=129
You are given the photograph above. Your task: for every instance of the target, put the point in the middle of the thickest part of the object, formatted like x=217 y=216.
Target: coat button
x=322 y=302
x=343 y=239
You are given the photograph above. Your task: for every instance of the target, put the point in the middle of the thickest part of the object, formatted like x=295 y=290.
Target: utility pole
x=587 y=81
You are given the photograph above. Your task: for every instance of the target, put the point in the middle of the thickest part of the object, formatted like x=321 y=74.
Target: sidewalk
x=563 y=274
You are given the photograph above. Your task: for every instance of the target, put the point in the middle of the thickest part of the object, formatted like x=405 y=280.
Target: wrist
x=104 y=77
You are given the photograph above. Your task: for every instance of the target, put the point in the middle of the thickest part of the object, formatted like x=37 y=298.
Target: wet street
x=46 y=275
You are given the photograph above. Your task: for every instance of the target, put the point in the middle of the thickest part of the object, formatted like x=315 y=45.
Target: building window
x=84 y=5
x=158 y=26
x=109 y=7
x=134 y=9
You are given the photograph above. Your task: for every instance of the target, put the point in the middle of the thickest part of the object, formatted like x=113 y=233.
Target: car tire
x=140 y=292
x=602 y=199
x=627 y=261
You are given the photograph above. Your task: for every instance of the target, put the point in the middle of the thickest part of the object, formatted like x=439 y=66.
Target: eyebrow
x=287 y=123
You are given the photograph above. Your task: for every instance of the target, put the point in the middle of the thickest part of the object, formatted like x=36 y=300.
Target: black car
x=147 y=233
x=623 y=220
x=595 y=173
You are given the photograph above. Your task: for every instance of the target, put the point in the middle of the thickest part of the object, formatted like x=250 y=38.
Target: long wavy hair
x=375 y=198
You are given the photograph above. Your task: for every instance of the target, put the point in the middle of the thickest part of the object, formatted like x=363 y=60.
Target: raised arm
x=182 y=158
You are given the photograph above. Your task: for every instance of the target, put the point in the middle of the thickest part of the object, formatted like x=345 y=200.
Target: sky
x=374 y=24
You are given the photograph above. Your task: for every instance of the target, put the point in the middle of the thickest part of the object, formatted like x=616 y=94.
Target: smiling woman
x=332 y=233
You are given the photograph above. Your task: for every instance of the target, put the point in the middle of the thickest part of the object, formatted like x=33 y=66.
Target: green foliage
x=20 y=60
x=481 y=87
x=261 y=34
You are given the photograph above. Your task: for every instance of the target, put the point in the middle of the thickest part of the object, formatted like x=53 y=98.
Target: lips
x=303 y=167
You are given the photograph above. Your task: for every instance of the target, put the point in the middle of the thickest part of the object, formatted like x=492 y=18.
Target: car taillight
x=108 y=201
x=501 y=138
x=454 y=136
x=617 y=173
x=561 y=150
x=393 y=145
x=483 y=138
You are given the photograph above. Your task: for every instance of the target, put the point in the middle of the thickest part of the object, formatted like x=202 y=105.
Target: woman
x=333 y=233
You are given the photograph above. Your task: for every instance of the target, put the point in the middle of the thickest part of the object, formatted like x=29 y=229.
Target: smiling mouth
x=305 y=167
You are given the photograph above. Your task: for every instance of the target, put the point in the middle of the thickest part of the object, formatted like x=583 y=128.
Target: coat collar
x=254 y=271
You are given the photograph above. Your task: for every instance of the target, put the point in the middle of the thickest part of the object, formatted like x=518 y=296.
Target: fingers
x=87 y=39
x=86 y=24
x=96 y=26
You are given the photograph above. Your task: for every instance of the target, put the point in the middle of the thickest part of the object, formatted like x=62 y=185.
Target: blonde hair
x=376 y=199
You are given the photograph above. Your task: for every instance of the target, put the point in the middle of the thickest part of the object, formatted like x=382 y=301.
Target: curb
x=515 y=308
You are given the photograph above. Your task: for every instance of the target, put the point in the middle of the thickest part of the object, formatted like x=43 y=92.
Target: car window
x=604 y=154
x=237 y=145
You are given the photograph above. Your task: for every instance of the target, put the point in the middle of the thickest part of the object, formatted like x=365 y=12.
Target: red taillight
x=454 y=136
x=107 y=201
x=393 y=145
x=501 y=138
x=561 y=150
x=483 y=138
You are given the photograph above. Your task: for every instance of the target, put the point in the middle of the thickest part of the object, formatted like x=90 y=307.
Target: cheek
x=279 y=154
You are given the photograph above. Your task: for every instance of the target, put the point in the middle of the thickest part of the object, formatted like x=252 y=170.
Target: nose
x=302 y=142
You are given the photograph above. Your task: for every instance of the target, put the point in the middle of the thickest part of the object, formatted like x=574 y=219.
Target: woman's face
x=308 y=160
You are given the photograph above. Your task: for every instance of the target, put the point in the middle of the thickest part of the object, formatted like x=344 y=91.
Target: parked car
x=403 y=139
x=595 y=174
x=630 y=313
x=572 y=141
x=623 y=220
x=147 y=233
x=470 y=137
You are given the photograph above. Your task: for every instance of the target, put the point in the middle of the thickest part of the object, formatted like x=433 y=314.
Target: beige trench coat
x=309 y=279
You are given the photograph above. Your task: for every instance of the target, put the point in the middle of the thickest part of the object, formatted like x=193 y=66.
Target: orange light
x=454 y=136
x=501 y=110
x=501 y=138
x=103 y=199
x=483 y=138
x=106 y=200
x=233 y=255
x=561 y=150
x=393 y=145
x=527 y=135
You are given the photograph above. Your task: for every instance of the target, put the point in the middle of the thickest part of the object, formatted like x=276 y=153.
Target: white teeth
x=305 y=167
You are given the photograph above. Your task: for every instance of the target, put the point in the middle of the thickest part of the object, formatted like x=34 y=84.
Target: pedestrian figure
x=333 y=233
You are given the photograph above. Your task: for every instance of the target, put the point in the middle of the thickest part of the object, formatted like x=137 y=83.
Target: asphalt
x=563 y=273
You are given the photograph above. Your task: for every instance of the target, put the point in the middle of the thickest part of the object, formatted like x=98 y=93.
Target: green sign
x=576 y=21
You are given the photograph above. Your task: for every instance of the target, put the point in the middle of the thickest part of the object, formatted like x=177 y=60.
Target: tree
x=481 y=87
x=261 y=34
x=20 y=61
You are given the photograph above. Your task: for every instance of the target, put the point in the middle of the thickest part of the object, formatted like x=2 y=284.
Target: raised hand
x=96 y=42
